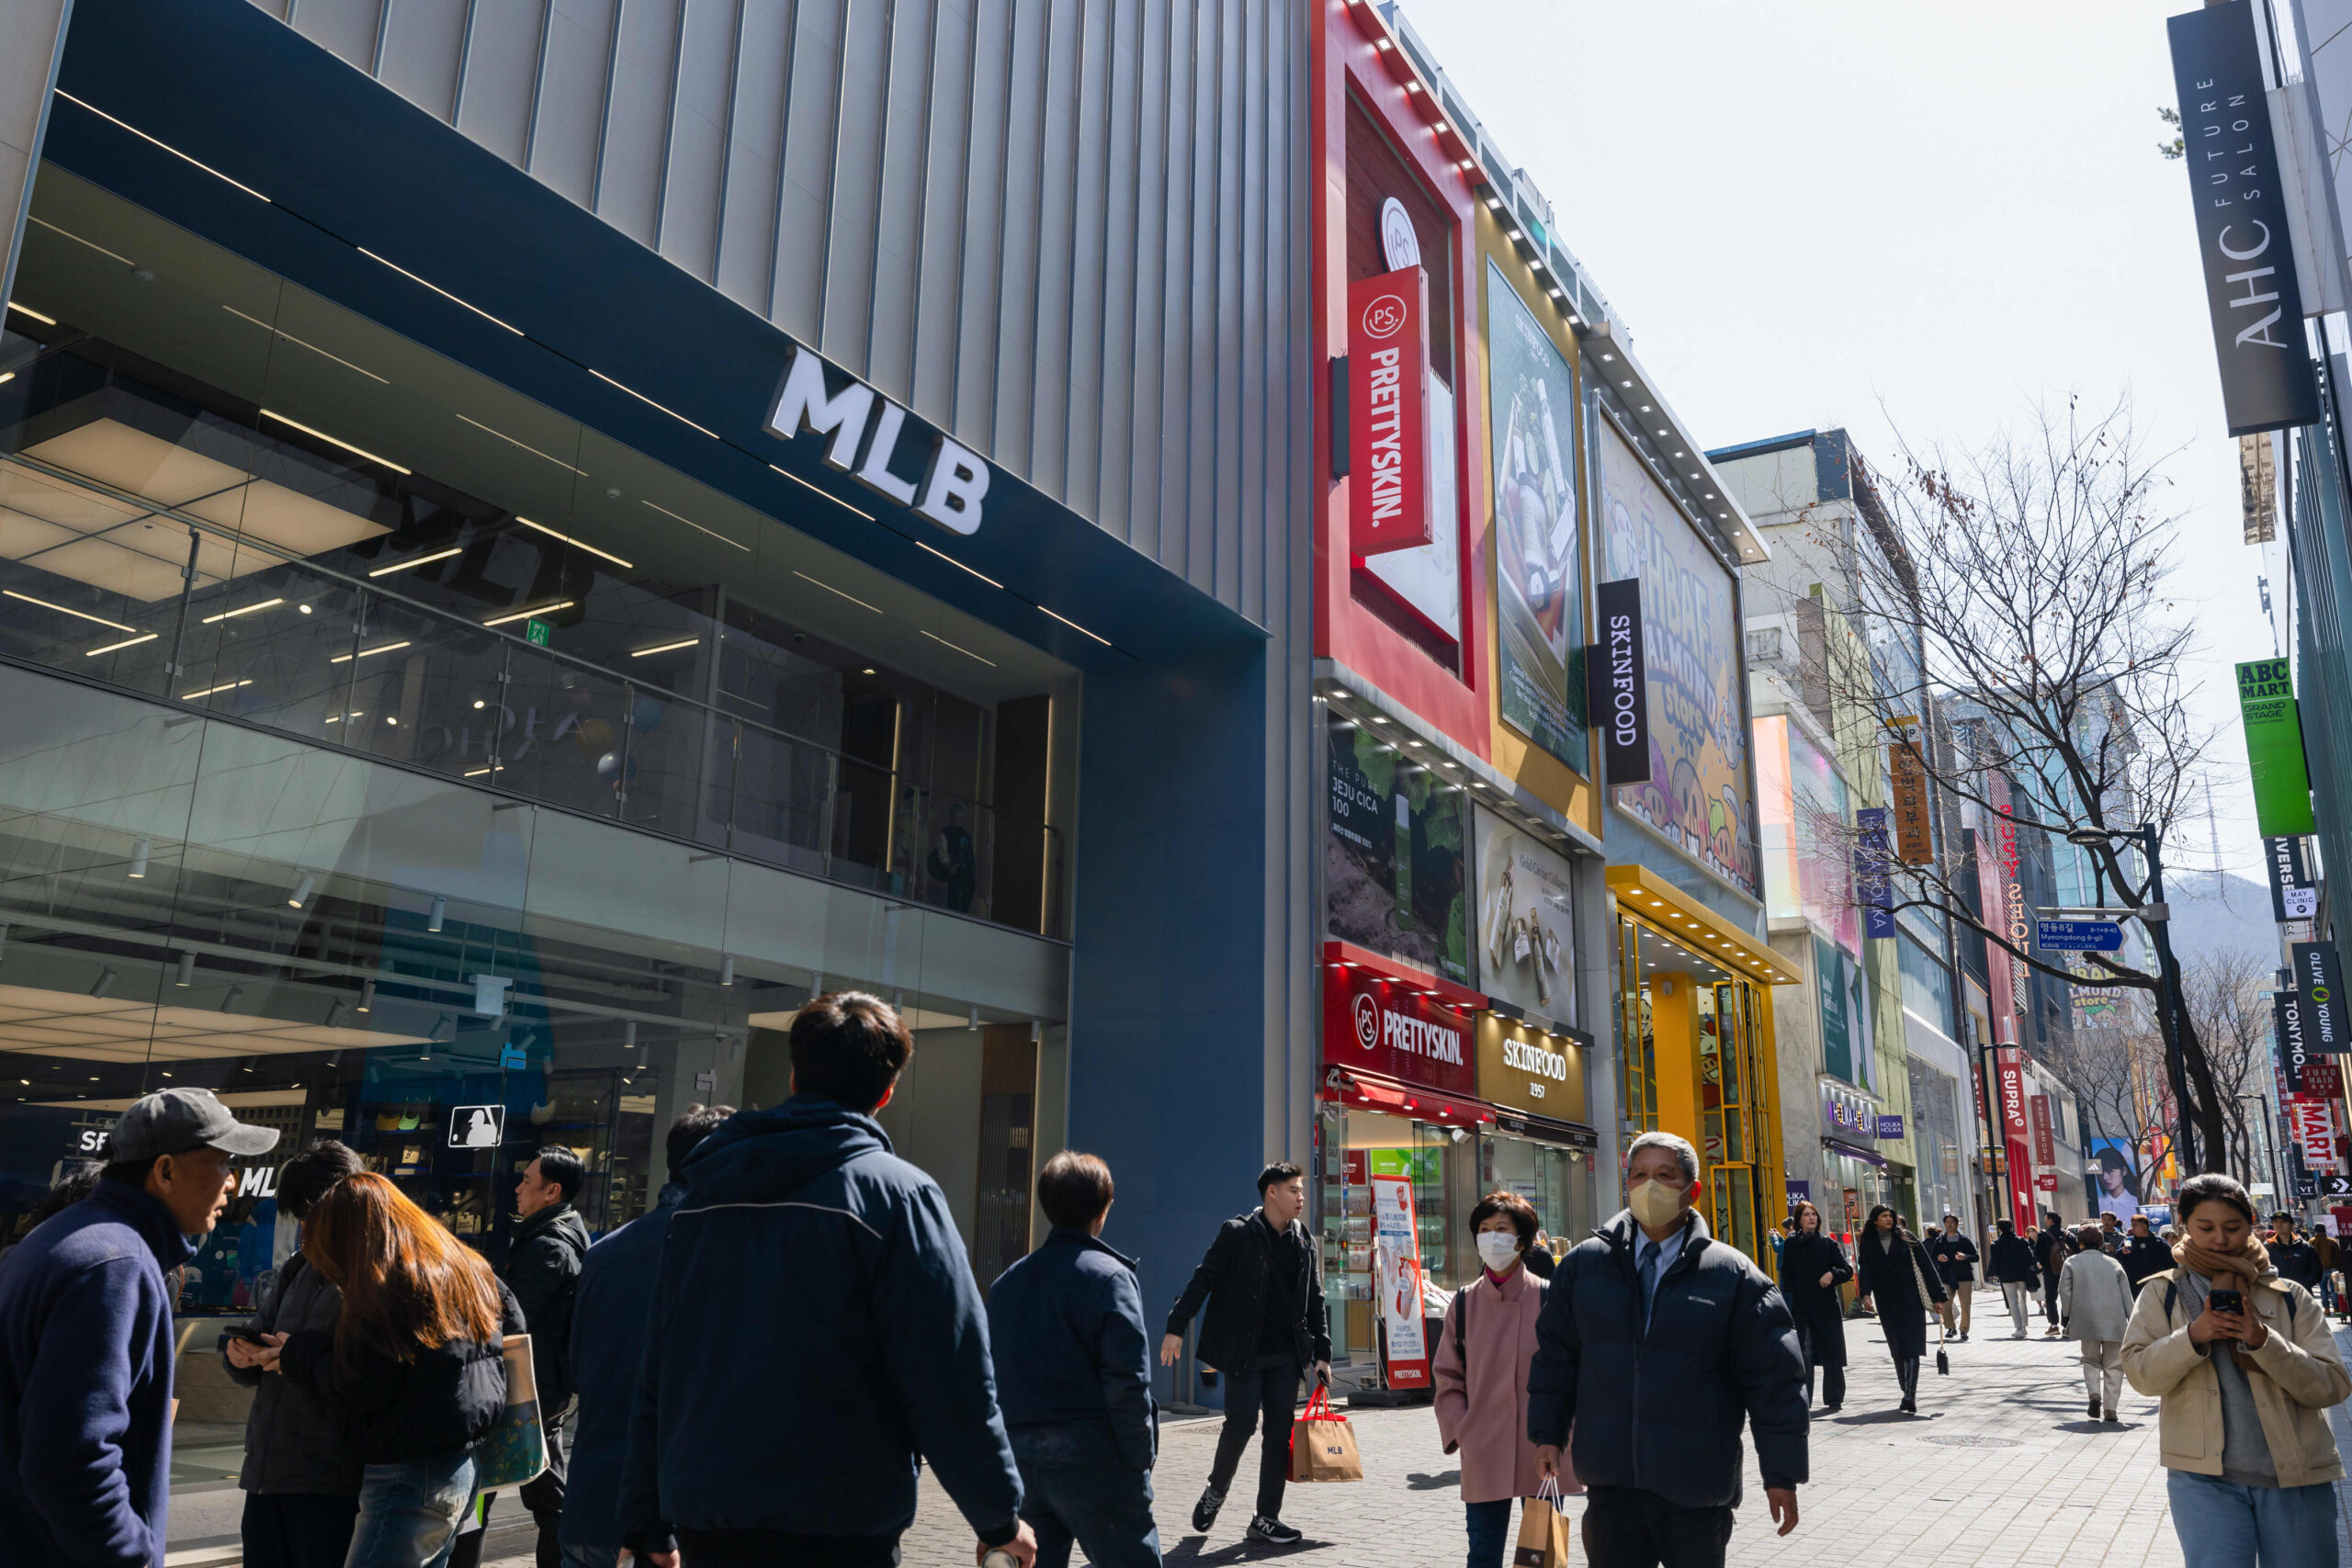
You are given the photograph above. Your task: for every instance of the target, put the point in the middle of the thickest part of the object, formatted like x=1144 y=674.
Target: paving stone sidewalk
x=2000 y=1469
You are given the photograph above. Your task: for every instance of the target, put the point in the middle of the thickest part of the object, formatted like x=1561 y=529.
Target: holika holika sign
x=2241 y=236
x=2274 y=749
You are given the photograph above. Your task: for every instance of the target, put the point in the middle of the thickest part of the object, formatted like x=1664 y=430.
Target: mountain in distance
x=2215 y=913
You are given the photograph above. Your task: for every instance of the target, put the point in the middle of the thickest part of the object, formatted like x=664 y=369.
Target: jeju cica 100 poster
x=1697 y=795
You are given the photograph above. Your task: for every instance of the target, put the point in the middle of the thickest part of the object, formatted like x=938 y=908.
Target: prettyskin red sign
x=1388 y=355
x=1383 y=1026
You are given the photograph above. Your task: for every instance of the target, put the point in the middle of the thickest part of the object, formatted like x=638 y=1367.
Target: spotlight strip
x=965 y=651
x=665 y=648
x=524 y=445
x=568 y=539
x=1076 y=628
x=418 y=560
x=831 y=588
x=297 y=343
x=332 y=440
x=208 y=690
x=79 y=241
x=649 y=402
x=437 y=288
x=951 y=560
x=36 y=315
x=526 y=614
x=164 y=145
x=828 y=495
x=63 y=611
x=699 y=529
x=118 y=646
x=366 y=653
x=242 y=610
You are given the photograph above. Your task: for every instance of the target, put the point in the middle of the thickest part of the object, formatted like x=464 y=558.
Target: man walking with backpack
x=802 y=1235
x=1262 y=1279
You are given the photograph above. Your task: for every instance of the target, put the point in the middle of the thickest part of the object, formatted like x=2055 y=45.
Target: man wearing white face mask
x=1652 y=1331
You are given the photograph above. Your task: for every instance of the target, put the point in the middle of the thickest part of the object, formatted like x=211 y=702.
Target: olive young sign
x=864 y=427
x=1388 y=502
x=2235 y=179
x=2319 y=986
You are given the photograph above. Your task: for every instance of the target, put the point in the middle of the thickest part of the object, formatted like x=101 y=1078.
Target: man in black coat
x=2294 y=1257
x=2012 y=1267
x=2051 y=1247
x=543 y=1270
x=1955 y=1260
x=1656 y=1344
x=2142 y=1253
x=1263 y=1282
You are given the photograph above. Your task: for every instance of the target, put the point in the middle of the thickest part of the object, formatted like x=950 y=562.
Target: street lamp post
x=2274 y=1156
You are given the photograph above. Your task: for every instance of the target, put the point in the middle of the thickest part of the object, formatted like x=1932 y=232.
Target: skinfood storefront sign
x=1521 y=1066
x=1377 y=1021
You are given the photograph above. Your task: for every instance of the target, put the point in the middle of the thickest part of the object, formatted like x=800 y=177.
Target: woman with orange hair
x=415 y=1362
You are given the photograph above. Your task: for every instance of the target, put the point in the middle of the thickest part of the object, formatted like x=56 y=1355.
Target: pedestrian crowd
x=400 y=1382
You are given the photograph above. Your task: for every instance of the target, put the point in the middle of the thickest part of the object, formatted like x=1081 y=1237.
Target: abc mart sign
x=1377 y=1021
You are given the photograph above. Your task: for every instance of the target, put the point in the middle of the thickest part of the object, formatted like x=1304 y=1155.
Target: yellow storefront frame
x=1704 y=1047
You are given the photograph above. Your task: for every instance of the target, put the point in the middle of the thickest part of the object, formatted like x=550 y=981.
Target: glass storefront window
x=1443 y=1164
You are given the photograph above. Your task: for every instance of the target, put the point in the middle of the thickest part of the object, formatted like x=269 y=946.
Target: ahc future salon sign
x=1376 y=1023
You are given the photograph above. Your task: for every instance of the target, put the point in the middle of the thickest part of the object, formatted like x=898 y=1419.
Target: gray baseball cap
x=177 y=1118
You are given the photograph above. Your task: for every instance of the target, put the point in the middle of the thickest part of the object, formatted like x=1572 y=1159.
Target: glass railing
x=277 y=642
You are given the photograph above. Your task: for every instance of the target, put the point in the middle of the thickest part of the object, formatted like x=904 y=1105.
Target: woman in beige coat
x=1481 y=1376
x=2242 y=1431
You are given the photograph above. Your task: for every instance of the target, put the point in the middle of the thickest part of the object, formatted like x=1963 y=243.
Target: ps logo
x=1367 y=1013
x=1384 y=317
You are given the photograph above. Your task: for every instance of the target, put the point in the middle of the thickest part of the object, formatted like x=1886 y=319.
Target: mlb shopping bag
x=1322 y=1443
x=1542 y=1531
x=517 y=1448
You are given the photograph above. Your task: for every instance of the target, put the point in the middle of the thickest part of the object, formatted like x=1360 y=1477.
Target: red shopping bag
x=1322 y=1443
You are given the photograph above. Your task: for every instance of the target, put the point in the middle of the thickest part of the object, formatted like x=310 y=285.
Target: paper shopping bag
x=1542 y=1531
x=514 y=1451
x=1323 y=1443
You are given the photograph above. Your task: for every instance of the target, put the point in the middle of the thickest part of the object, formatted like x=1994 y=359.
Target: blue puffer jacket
x=1067 y=1326
x=608 y=1321
x=815 y=1328
x=86 y=1384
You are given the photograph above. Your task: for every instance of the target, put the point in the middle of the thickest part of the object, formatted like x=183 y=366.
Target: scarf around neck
x=2253 y=1264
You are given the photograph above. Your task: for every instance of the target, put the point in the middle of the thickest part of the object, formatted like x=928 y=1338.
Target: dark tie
x=1649 y=1280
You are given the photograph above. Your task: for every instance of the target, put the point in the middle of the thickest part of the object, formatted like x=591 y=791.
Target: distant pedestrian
x=2143 y=1254
x=1073 y=1374
x=2330 y=1260
x=300 y=1473
x=2294 y=1257
x=804 y=1238
x=2109 y=1233
x=2011 y=1264
x=2250 y=1458
x=87 y=1342
x=1812 y=1267
x=2095 y=1298
x=610 y=1327
x=415 y=1361
x=2052 y=1246
x=1897 y=1277
x=1656 y=1344
x=1955 y=1260
x=1266 y=1323
x=1539 y=1260
x=1480 y=1372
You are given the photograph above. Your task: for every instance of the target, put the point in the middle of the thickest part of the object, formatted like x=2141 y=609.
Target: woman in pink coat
x=1481 y=1373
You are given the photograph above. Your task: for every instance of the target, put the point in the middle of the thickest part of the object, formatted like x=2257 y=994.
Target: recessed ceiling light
x=1624 y=383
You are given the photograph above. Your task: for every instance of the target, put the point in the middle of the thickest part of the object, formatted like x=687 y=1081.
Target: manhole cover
x=1970 y=1440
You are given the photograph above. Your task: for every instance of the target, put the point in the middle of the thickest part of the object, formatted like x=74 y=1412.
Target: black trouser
x=1262 y=1394
x=298 y=1530
x=1625 y=1526
x=1833 y=1379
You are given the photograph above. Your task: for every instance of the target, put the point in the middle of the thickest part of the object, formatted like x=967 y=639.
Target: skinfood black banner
x=2319 y=986
x=2233 y=175
x=1620 y=698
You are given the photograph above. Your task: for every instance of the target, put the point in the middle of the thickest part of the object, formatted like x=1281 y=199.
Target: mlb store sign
x=1385 y=1020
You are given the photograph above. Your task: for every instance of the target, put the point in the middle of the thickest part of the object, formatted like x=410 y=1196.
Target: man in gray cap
x=85 y=1339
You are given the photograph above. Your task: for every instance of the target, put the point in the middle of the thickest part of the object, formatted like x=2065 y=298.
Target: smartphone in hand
x=2222 y=1299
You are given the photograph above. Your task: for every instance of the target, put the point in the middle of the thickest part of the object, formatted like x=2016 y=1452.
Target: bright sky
x=1879 y=216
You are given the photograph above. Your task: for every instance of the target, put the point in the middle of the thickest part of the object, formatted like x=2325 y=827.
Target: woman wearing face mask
x=1898 y=1277
x=1481 y=1376
x=2249 y=1458
x=1812 y=1267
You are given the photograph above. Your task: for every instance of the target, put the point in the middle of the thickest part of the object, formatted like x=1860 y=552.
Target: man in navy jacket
x=814 y=1330
x=1073 y=1371
x=87 y=1344
x=610 y=1309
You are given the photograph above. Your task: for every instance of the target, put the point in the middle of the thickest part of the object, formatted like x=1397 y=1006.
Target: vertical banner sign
x=2274 y=747
x=2314 y=1131
x=1915 y=840
x=2319 y=984
x=1874 y=889
x=2258 y=488
x=1396 y=1251
x=2287 y=1040
x=2045 y=1146
x=1388 y=452
x=1621 y=703
x=2294 y=896
x=2242 y=238
x=2008 y=1066
x=1998 y=992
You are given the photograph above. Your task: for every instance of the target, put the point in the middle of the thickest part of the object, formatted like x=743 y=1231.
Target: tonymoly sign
x=864 y=427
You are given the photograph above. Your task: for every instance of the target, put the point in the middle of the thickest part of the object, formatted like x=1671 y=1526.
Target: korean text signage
x=1620 y=674
x=1396 y=1250
x=2008 y=1068
x=2319 y=982
x=1381 y=1026
x=1914 y=839
x=2274 y=747
x=1847 y=1119
x=1388 y=452
x=862 y=429
x=2045 y=1145
x=1873 y=885
x=2237 y=182
x=2294 y=896
x=1526 y=1068
x=1998 y=991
